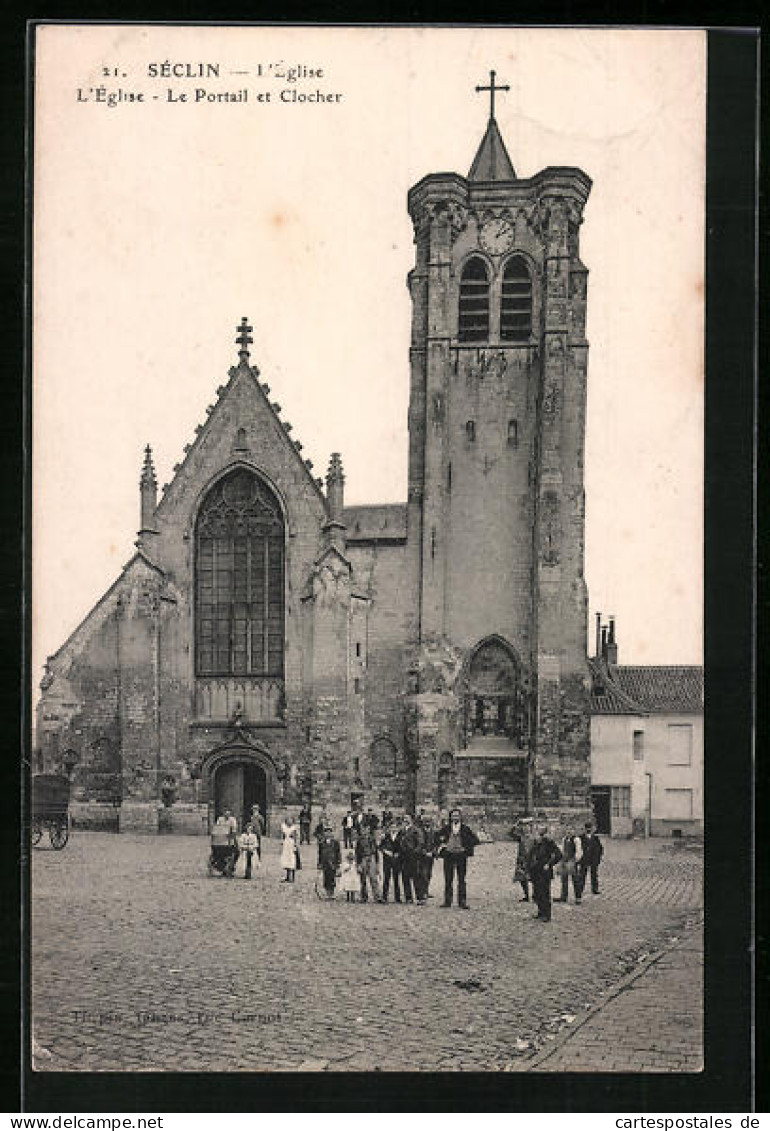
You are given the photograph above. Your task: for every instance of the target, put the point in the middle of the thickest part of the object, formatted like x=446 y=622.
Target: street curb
x=627 y=980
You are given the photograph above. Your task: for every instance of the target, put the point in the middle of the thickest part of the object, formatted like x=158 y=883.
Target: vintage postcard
x=367 y=534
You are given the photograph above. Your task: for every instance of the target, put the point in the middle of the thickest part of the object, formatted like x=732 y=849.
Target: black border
x=726 y=1083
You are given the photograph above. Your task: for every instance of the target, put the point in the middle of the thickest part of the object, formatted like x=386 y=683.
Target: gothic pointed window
x=239 y=579
x=473 y=322
x=516 y=302
x=496 y=698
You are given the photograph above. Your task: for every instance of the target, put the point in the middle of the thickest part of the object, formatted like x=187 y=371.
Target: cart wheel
x=60 y=834
x=37 y=831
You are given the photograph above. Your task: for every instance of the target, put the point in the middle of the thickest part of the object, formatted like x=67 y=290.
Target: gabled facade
x=269 y=645
x=646 y=745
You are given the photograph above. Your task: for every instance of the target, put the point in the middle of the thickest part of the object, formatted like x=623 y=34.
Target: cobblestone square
x=142 y=962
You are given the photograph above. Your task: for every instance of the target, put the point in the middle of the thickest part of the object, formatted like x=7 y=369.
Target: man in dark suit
x=305 y=820
x=593 y=850
x=391 y=867
x=456 y=843
x=347 y=830
x=426 y=857
x=543 y=855
x=329 y=860
x=409 y=843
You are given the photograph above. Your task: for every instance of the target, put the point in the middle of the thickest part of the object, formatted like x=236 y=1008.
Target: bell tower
x=496 y=437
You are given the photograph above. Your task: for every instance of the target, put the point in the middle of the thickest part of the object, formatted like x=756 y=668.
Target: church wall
x=489 y=569
x=380 y=572
x=242 y=429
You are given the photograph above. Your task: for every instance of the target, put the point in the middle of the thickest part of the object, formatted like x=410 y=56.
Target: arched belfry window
x=239 y=572
x=516 y=302
x=496 y=697
x=473 y=322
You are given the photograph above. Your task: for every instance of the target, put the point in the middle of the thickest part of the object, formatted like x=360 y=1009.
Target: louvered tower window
x=239 y=558
x=516 y=302
x=473 y=323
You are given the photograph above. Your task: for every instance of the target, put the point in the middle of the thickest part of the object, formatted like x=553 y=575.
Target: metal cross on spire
x=243 y=339
x=491 y=88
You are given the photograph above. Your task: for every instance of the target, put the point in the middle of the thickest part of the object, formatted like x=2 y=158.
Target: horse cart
x=50 y=808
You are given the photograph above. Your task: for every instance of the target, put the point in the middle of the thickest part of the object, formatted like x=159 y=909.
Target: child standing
x=247 y=842
x=351 y=881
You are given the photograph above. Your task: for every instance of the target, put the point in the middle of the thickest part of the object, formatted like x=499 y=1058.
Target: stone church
x=269 y=645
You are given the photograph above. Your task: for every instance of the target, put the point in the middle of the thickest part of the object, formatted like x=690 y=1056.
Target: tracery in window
x=516 y=302
x=496 y=698
x=473 y=321
x=239 y=556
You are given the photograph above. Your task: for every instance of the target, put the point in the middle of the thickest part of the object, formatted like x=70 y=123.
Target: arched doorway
x=237 y=778
x=239 y=786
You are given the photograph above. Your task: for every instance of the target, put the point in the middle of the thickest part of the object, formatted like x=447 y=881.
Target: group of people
x=234 y=855
x=539 y=858
x=400 y=849
x=398 y=853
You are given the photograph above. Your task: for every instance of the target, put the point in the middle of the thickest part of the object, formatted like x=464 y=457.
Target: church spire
x=148 y=495
x=335 y=500
x=492 y=162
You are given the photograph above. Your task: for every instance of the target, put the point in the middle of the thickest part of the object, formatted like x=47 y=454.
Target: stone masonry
x=293 y=649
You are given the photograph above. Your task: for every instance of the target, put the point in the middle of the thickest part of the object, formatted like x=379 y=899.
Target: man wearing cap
x=409 y=843
x=543 y=855
x=329 y=860
x=593 y=850
x=456 y=843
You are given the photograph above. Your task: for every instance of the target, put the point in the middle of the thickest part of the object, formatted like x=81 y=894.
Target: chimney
x=598 y=649
x=612 y=648
x=604 y=643
x=335 y=501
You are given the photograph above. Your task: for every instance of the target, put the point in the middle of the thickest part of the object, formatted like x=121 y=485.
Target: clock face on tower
x=497 y=236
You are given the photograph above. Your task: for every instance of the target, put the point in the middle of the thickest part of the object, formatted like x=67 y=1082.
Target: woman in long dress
x=289 y=849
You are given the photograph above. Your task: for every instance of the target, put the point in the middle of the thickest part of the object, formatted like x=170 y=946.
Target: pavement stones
x=653 y=1017
x=140 y=961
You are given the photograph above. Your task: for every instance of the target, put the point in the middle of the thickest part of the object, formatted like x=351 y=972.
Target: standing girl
x=289 y=849
x=351 y=881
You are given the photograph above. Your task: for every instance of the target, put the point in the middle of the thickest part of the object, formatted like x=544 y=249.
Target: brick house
x=646 y=744
x=267 y=644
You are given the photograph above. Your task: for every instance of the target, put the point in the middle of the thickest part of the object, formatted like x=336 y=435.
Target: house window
x=239 y=579
x=513 y=433
x=473 y=321
x=679 y=744
x=516 y=302
x=357 y=686
x=470 y=430
x=621 y=801
x=678 y=805
x=638 y=745
x=358 y=649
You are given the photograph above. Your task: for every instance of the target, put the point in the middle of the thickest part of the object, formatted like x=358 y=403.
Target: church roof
x=492 y=162
x=645 y=689
x=378 y=522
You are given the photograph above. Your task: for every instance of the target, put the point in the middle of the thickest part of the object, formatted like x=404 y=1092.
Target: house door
x=239 y=786
x=600 y=800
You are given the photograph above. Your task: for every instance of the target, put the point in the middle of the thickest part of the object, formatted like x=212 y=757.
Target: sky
x=158 y=224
